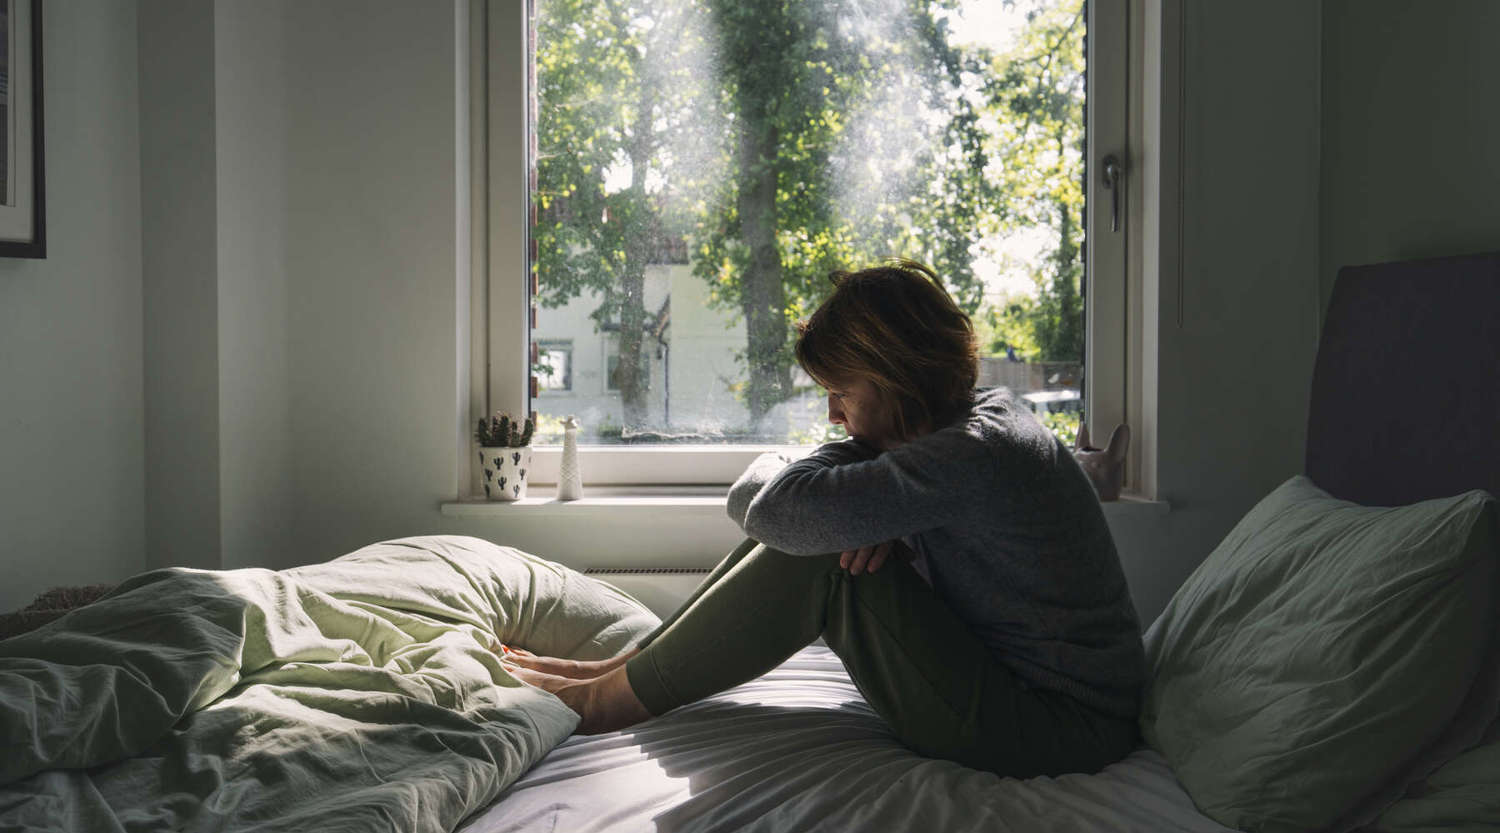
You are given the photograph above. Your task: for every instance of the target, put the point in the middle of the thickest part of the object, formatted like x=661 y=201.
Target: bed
x=361 y=694
x=799 y=750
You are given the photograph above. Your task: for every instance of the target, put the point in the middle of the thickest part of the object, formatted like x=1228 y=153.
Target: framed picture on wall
x=23 y=204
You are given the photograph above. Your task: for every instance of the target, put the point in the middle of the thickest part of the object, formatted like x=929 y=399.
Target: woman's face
x=857 y=405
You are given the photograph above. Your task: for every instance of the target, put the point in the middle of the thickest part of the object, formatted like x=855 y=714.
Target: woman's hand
x=868 y=558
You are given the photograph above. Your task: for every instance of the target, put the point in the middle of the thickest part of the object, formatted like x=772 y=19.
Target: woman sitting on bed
x=951 y=552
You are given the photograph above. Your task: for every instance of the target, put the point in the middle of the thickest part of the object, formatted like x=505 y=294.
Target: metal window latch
x=1112 y=172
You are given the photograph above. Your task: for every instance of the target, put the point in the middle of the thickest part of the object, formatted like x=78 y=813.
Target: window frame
x=1120 y=381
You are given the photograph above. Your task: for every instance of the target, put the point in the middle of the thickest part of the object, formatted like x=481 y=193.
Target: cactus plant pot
x=505 y=471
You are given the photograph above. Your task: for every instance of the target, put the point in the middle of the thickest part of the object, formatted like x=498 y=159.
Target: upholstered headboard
x=1406 y=390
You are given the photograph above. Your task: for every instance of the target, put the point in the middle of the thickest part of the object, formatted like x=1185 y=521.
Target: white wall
x=71 y=417
x=299 y=219
x=250 y=135
x=371 y=268
x=1410 y=132
x=702 y=342
x=179 y=268
x=304 y=361
x=213 y=253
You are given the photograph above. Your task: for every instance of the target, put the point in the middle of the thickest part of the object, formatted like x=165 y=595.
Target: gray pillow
x=1325 y=656
x=1461 y=797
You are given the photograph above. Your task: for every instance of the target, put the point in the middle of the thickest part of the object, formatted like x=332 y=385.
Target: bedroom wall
x=1409 y=132
x=179 y=266
x=1236 y=344
x=250 y=136
x=371 y=183
x=72 y=446
x=303 y=359
x=212 y=104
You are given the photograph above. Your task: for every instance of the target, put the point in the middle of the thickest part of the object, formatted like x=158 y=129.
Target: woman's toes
x=556 y=666
x=547 y=665
x=530 y=676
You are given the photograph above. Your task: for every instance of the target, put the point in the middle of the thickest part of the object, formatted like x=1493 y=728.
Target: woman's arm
x=842 y=498
x=767 y=466
x=762 y=471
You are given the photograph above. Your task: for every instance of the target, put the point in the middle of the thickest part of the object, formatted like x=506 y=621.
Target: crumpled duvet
x=359 y=694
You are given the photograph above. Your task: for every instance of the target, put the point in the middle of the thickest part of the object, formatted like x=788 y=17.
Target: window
x=672 y=221
x=554 y=367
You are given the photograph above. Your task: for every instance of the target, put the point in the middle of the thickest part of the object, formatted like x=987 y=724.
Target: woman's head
x=895 y=352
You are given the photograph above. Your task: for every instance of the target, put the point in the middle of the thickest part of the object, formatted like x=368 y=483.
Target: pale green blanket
x=360 y=694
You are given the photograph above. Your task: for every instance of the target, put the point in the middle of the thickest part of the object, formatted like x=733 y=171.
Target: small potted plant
x=505 y=455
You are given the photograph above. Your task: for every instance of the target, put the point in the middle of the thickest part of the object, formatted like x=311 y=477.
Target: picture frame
x=23 y=193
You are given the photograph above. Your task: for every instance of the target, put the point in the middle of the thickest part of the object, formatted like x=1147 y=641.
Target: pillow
x=1462 y=797
x=524 y=600
x=1325 y=656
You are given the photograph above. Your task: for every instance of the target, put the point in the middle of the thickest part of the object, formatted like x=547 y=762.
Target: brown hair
x=896 y=326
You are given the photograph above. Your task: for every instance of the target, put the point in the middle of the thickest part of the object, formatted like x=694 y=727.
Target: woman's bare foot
x=603 y=704
x=573 y=669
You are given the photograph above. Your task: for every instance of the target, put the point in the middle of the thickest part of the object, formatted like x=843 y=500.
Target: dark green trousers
x=917 y=665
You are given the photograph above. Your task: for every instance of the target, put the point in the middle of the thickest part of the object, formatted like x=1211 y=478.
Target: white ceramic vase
x=569 y=478
x=505 y=471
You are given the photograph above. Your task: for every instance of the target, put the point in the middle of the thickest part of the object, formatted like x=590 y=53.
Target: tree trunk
x=633 y=373
x=764 y=297
x=1069 y=343
x=630 y=374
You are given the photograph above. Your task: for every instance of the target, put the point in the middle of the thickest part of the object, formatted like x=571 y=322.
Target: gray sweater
x=1009 y=527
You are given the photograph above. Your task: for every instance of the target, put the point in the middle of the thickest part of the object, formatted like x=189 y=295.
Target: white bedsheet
x=798 y=749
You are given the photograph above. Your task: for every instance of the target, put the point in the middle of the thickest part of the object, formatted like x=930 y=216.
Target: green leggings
x=917 y=665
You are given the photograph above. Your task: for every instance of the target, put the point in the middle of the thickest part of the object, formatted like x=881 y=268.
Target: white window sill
x=542 y=501
x=694 y=499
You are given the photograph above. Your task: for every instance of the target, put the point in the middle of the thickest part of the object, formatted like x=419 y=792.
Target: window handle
x=1112 y=171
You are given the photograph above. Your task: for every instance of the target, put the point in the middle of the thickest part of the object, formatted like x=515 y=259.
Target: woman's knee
x=770 y=557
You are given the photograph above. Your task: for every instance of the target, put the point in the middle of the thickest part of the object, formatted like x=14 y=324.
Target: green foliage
x=1012 y=323
x=1035 y=93
x=608 y=431
x=501 y=431
x=1064 y=424
x=543 y=365
x=851 y=142
x=784 y=139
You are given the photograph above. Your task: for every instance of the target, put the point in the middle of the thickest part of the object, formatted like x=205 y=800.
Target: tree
x=616 y=88
x=806 y=81
x=1036 y=94
x=790 y=138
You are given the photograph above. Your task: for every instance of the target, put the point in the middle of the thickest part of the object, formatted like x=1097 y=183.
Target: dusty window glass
x=701 y=166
